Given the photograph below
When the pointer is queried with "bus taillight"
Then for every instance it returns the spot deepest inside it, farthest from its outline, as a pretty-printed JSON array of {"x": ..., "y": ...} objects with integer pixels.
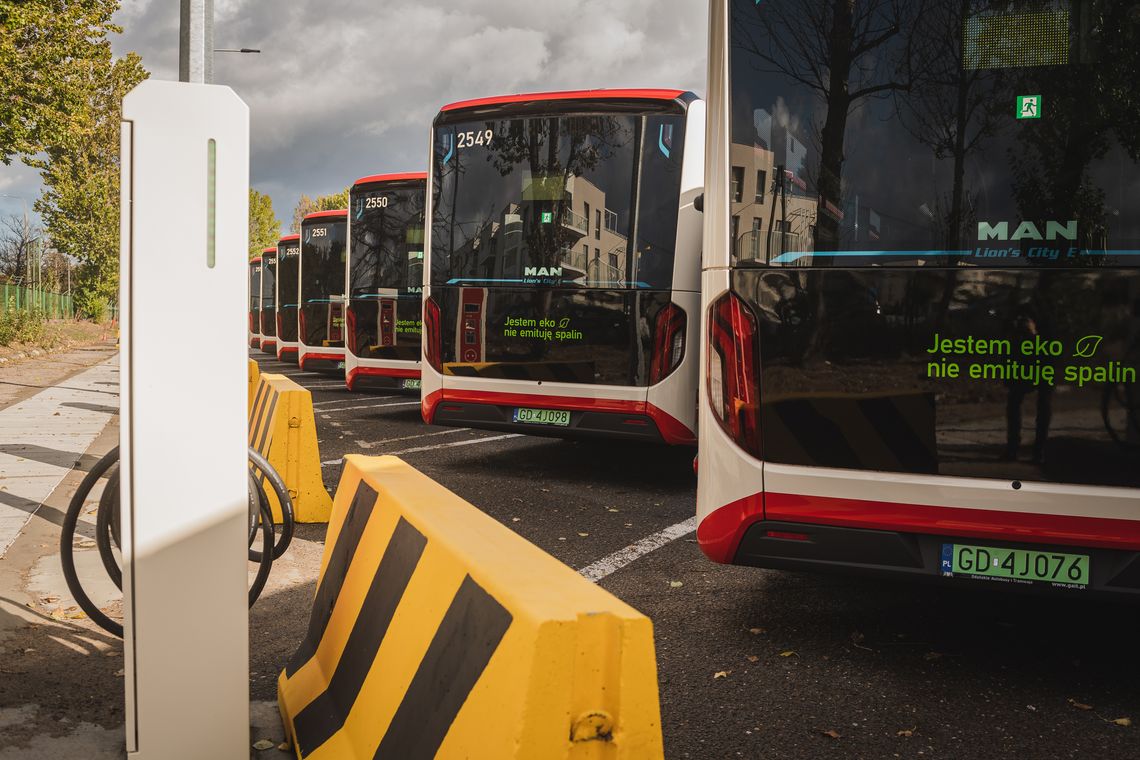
[
  {"x": 432, "y": 335},
  {"x": 668, "y": 342},
  {"x": 733, "y": 371}
]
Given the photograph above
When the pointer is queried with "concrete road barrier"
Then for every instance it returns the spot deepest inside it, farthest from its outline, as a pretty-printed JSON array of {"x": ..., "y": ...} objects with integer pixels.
[
  {"x": 438, "y": 632},
  {"x": 282, "y": 427},
  {"x": 254, "y": 380}
]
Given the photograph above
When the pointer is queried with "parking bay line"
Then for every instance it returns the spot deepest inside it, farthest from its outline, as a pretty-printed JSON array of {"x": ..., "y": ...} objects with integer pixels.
[
  {"x": 595, "y": 571},
  {"x": 374, "y": 444},
  {"x": 368, "y": 406},
  {"x": 348, "y": 400},
  {"x": 416, "y": 449}
]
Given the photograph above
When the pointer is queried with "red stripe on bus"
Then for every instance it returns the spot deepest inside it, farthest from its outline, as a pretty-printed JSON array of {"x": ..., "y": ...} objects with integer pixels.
[
  {"x": 287, "y": 238},
  {"x": 322, "y": 214},
  {"x": 379, "y": 372},
  {"x": 316, "y": 356},
  {"x": 1075, "y": 530},
  {"x": 569, "y": 95},
  {"x": 390, "y": 178},
  {"x": 720, "y": 532},
  {"x": 672, "y": 430}
]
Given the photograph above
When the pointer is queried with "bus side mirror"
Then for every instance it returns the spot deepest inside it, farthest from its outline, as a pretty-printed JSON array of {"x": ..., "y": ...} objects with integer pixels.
[{"x": 699, "y": 203}]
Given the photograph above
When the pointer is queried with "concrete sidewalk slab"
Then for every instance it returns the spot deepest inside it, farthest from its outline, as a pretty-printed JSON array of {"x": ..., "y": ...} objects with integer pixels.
[{"x": 43, "y": 437}]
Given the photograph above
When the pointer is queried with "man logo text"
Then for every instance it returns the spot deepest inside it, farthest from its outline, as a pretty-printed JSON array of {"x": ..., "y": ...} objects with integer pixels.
[{"x": 1027, "y": 231}]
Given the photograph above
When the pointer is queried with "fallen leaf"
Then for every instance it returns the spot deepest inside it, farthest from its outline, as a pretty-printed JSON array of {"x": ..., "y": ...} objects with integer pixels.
[
  {"x": 1079, "y": 705},
  {"x": 757, "y": 631},
  {"x": 514, "y": 519},
  {"x": 832, "y": 733},
  {"x": 721, "y": 674},
  {"x": 752, "y": 658},
  {"x": 1123, "y": 721},
  {"x": 906, "y": 731},
  {"x": 675, "y": 584},
  {"x": 545, "y": 490},
  {"x": 788, "y": 653},
  {"x": 583, "y": 535},
  {"x": 120, "y": 672},
  {"x": 284, "y": 746},
  {"x": 263, "y": 744},
  {"x": 562, "y": 538},
  {"x": 611, "y": 509}
]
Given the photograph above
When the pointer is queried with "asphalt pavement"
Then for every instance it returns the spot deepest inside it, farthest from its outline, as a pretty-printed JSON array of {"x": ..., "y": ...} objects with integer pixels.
[{"x": 759, "y": 663}]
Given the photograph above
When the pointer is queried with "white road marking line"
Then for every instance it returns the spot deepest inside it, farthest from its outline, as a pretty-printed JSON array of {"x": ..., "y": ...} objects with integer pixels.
[
  {"x": 473, "y": 441},
  {"x": 374, "y": 444},
  {"x": 368, "y": 406},
  {"x": 595, "y": 571},
  {"x": 354, "y": 400}
]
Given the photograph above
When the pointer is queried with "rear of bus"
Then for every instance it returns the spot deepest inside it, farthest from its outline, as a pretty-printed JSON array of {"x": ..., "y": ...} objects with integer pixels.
[
  {"x": 254, "y": 329},
  {"x": 288, "y": 296},
  {"x": 268, "y": 310},
  {"x": 921, "y": 295},
  {"x": 563, "y": 259},
  {"x": 385, "y": 282},
  {"x": 320, "y": 322}
]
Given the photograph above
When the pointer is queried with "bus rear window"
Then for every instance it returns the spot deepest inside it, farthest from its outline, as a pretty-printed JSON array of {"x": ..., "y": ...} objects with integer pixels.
[{"x": 967, "y": 133}]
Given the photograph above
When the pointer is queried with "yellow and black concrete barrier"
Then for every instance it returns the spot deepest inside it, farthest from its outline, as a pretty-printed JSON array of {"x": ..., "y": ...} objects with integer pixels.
[
  {"x": 254, "y": 372},
  {"x": 438, "y": 632},
  {"x": 283, "y": 428}
]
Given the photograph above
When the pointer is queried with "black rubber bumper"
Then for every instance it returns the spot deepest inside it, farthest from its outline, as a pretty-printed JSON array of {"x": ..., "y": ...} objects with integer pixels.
[
  {"x": 801, "y": 546},
  {"x": 631, "y": 427},
  {"x": 325, "y": 366}
]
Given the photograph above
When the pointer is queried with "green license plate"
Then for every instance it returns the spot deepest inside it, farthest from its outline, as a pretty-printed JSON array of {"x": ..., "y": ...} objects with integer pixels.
[
  {"x": 542, "y": 416},
  {"x": 1016, "y": 565},
  {"x": 411, "y": 384}
]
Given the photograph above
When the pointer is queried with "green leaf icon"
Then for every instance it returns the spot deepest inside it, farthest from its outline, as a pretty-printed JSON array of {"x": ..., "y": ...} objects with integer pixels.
[
  {"x": 564, "y": 323},
  {"x": 1088, "y": 345}
]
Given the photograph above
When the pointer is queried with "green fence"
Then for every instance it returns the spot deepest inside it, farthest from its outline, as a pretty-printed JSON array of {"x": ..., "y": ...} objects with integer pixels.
[{"x": 54, "y": 305}]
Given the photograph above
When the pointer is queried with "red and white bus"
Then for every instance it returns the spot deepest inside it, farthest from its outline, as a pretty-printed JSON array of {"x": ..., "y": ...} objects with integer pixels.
[
  {"x": 563, "y": 259},
  {"x": 267, "y": 311},
  {"x": 320, "y": 322},
  {"x": 288, "y": 296},
  {"x": 385, "y": 281},
  {"x": 254, "y": 331},
  {"x": 921, "y": 292}
]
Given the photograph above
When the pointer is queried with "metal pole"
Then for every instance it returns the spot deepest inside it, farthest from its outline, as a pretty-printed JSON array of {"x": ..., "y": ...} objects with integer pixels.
[{"x": 196, "y": 42}]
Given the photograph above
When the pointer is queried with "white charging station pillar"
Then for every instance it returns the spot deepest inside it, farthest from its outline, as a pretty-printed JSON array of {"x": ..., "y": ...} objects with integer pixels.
[{"x": 185, "y": 180}]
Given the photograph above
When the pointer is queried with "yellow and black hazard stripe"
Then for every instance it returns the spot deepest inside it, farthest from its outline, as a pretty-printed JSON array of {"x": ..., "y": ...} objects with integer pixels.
[
  {"x": 468, "y": 635},
  {"x": 431, "y": 620},
  {"x": 261, "y": 417}
]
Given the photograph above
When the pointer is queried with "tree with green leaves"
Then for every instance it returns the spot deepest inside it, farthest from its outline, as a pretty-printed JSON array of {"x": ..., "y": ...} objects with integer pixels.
[
  {"x": 307, "y": 205},
  {"x": 264, "y": 229},
  {"x": 46, "y": 51},
  {"x": 80, "y": 201}
]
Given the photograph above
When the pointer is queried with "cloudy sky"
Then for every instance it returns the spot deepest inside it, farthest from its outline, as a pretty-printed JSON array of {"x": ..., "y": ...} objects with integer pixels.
[{"x": 346, "y": 88}]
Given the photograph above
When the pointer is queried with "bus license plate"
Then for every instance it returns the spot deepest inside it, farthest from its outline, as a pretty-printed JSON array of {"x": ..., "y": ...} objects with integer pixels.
[
  {"x": 411, "y": 384},
  {"x": 1016, "y": 565},
  {"x": 542, "y": 416}
]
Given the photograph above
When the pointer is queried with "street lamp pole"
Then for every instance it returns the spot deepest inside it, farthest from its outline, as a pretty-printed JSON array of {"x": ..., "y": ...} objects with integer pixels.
[{"x": 196, "y": 42}]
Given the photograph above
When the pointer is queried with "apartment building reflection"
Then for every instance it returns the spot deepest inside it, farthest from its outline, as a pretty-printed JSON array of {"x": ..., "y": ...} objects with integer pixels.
[
  {"x": 772, "y": 211},
  {"x": 590, "y": 250}
]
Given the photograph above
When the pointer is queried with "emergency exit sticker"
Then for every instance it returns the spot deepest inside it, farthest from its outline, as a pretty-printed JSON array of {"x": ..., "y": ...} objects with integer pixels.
[
  {"x": 1029, "y": 106},
  {"x": 547, "y": 217}
]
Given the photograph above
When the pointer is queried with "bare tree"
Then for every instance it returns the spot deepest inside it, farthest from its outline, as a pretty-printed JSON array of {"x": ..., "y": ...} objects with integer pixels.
[
  {"x": 844, "y": 51},
  {"x": 17, "y": 241}
]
